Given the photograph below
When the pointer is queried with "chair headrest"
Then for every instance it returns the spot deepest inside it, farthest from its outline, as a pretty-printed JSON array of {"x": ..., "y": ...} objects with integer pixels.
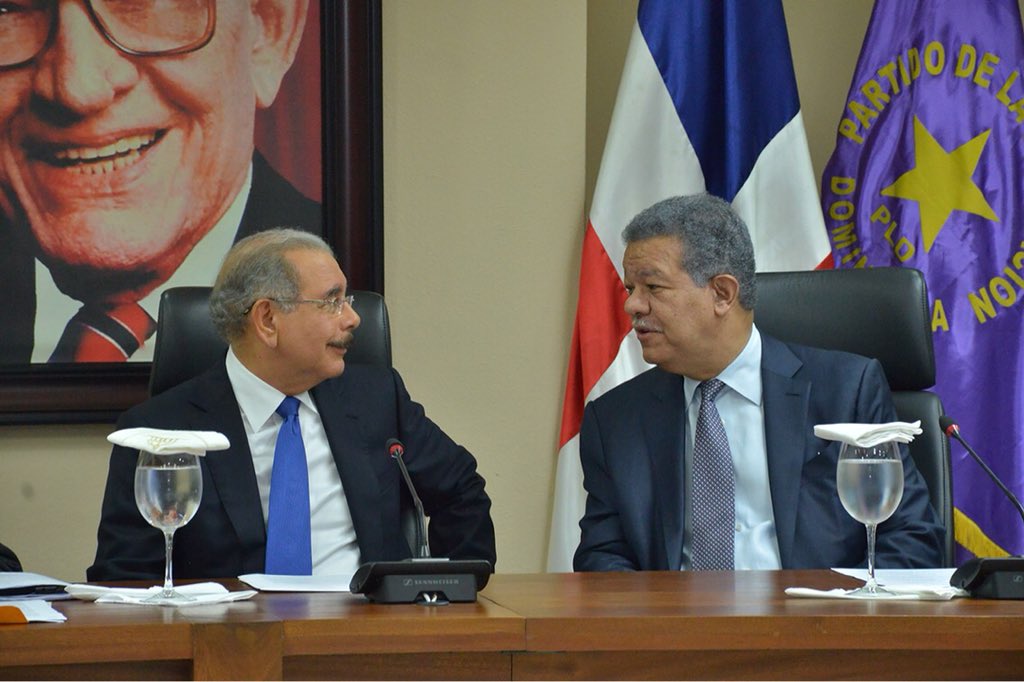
[
  {"x": 187, "y": 343},
  {"x": 880, "y": 313}
]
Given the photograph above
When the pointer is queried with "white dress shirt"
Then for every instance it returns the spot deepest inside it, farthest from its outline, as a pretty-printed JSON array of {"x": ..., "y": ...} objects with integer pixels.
[
  {"x": 198, "y": 269},
  {"x": 741, "y": 407},
  {"x": 333, "y": 537}
]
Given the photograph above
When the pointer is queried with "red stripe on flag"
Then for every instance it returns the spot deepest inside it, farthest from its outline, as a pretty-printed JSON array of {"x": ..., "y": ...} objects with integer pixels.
[{"x": 601, "y": 324}]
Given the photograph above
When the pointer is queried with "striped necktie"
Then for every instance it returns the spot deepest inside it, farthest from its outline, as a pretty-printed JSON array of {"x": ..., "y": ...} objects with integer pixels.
[
  {"x": 713, "y": 487},
  {"x": 104, "y": 334}
]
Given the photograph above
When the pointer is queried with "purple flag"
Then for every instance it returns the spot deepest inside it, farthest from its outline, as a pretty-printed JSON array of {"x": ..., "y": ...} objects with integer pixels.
[{"x": 928, "y": 173}]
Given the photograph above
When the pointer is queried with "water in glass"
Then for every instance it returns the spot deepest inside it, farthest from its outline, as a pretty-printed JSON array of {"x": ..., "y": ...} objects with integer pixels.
[
  {"x": 168, "y": 488},
  {"x": 870, "y": 485}
]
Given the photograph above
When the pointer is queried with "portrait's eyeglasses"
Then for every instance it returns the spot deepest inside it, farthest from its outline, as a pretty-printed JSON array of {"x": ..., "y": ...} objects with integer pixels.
[
  {"x": 334, "y": 306},
  {"x": 142, "y": 28}
]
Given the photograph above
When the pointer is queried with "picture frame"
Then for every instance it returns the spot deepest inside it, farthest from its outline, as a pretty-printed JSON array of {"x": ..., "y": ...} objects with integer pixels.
[{"x": 352, "y": 180}]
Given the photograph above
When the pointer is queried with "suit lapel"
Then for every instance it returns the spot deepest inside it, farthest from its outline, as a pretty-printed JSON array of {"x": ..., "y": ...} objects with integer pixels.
[
  {"x": 664, "y": 428},
  {"x": 786, "y": 428},
  {"x": 232, "y": 470},
  {"x": 353, "y": 457}
]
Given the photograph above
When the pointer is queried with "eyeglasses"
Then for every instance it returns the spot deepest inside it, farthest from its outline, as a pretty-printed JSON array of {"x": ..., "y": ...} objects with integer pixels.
[
  {"x": 334, "y": 306},
  {"x": 142, "y": 28}
]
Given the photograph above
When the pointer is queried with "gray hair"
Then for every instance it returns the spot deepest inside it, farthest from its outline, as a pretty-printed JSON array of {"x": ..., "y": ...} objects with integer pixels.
[
  {"x": 713, "y": 237},
  {"x": 256, "y": 268}
]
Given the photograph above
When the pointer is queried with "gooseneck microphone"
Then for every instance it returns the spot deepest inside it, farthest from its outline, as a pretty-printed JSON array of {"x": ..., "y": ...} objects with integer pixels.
[
  {"x": 422, "y": 579},
  {"x": 952, "y": 430},
  {"x": 397, "y": 450},
  {"x": 994, "y": 578}
]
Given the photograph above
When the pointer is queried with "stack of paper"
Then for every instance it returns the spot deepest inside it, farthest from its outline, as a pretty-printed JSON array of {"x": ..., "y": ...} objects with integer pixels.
[
  {"x": 16, "y": 585},
  {"x": 23, "y": 598}
]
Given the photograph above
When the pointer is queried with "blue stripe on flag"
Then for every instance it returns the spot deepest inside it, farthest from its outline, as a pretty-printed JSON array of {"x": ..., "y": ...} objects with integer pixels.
[{"x": 727, "y": 67}]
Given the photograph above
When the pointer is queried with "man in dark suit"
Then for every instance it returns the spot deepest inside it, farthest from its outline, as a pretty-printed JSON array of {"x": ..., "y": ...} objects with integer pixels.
[
  {"x": 126, "y": 143},
  {"x": 709, "y": 460},
  {"x": 280, "y": 302}
]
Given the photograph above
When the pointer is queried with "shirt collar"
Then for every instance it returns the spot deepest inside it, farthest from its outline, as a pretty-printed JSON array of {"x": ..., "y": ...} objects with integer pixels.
[
  {"x": 257, "y": 399},
  {"x": 742, "y": 375}
]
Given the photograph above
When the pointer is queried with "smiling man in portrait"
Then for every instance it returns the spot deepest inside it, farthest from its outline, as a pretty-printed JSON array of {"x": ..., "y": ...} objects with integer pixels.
[{"x": 127, "y": 161}]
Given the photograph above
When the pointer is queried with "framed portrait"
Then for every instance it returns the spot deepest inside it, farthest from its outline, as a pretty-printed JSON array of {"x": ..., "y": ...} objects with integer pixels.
[{"x": 216, "y": 168}]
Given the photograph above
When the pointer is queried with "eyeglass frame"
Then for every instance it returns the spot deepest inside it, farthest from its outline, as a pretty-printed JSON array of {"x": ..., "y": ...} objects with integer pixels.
[
  {"x": 104, "y": 31},
  {"x": 331, "y": 306}
]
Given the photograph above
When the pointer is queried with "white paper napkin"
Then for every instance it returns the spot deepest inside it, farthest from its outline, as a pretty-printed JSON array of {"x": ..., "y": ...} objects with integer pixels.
[
  {"x": 169, "y": 441},
  {"x": 200, "y": 594},
  {"x": 904, "y": 593},
  {"x": 868, "y": 435},
  {"x": 926, "y": 584}
]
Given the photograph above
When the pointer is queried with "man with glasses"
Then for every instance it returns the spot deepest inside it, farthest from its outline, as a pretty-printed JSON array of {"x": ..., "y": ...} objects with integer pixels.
[
  {"x": 127, "y": 161},
  {"x": 280, "y": 301}
]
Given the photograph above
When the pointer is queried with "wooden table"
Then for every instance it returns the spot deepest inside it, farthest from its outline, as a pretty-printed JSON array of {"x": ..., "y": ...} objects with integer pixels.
[
  {"x": 717, "y": 625},
  {"x": 272, "y": 636},
  {"x": 558, "y": 626}
]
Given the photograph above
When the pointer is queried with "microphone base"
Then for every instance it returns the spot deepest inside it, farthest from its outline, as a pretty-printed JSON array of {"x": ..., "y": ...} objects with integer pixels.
[
  {"x": 421, "y": 581},
  {"x": 991, "y": 578}
]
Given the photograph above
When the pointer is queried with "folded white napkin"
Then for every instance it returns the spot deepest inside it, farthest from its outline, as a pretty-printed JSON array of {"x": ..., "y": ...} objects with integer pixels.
[
  {"x": 901, "y": 592},
  {"x": 904, "y": 583},
  {"x": 169, "y": 441},
  {"x": 199, "y": 593},
  {"x": 868, "y": 435}
]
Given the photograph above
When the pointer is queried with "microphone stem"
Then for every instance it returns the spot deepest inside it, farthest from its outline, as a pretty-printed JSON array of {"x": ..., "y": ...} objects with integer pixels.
[
  {"x": 421, "y": 518},
  {"x": 991, "y": 474}
]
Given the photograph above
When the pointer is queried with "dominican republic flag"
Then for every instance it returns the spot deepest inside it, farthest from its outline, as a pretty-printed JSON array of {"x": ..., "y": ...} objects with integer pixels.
[
  {"x": 928, "y": 173},
  {"x": 707, "y": 102}
]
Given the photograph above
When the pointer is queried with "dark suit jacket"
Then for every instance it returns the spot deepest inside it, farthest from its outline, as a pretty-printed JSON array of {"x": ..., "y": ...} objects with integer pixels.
[
  {"x": 361, "y": 410},
  {"x": 273, "y": 202},
  {"x": 631, "y": 447}
]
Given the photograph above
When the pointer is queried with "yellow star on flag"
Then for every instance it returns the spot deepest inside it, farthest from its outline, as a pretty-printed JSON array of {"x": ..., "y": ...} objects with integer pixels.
[{"x": 941, "y": 182}]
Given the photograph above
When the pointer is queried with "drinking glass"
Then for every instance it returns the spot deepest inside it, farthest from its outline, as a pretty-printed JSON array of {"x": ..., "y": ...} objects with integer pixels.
[
  {"x": 870, "y": 483},
  {"x": 168, "y": 488}
]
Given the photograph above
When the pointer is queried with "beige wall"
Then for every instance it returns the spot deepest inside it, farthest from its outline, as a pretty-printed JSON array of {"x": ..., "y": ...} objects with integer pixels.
[
  {"x": 495, "y": 113},
  {"x": 484, "y": 119}
]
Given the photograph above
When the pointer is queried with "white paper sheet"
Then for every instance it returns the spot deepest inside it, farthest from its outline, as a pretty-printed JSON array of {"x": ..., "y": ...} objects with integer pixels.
[
  {"x": 36, "y": 611},
  {"x": 297, "y": 583}
]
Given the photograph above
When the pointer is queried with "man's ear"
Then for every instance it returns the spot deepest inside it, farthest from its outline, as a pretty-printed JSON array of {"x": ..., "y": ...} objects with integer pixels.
[
  {"x": 263, "y": 319},
  {"x": 279, "y": 26},
  {"x": 726, "y": 291}
]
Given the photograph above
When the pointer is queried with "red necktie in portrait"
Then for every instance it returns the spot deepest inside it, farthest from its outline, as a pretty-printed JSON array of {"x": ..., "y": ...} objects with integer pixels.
[{"x": 104, "y": 335}]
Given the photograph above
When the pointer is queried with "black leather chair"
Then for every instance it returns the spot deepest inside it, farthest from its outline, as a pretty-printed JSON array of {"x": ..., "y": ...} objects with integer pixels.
[
  {"x": 879, "y": 313},
  {"x": 187, "y": 344}
]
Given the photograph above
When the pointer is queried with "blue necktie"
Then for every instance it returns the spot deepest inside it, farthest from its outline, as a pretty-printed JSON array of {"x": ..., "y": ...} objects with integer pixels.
[
  {"x": 713, "y": 488},
  {"x": 288, "y": 543}
]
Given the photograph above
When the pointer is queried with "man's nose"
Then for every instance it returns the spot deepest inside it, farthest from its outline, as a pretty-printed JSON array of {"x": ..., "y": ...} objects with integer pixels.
[
  {"x": 636, "y": 303},
  {"x": 80, "y": 70},
  {"x": 350, "y": 319}
]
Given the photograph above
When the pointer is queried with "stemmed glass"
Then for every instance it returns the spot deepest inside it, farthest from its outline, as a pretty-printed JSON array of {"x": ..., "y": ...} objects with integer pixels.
[
  {"x": 168, "y": 488},
  {"x": 870, "y": 483}
]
